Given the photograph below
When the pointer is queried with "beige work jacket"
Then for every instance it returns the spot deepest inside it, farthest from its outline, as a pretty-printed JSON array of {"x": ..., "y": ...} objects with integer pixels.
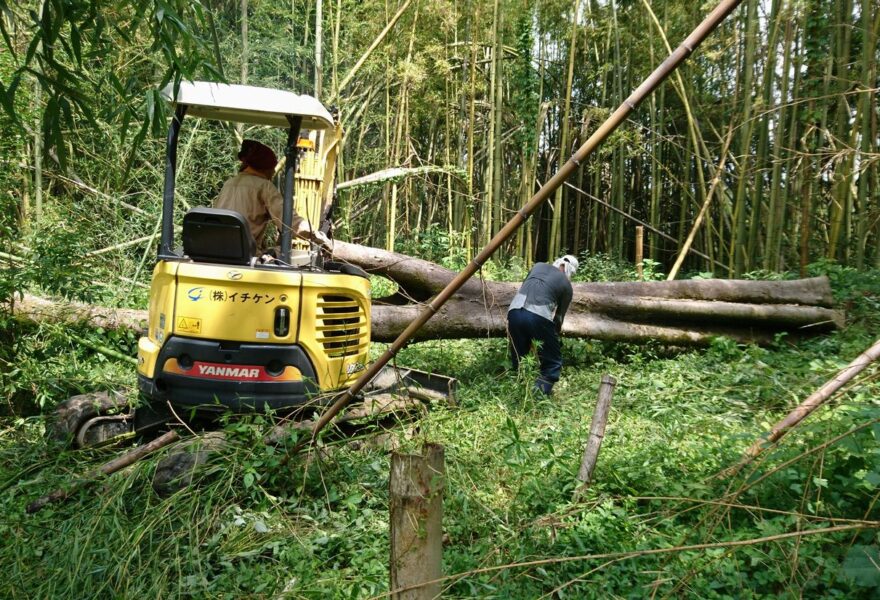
[{"x": 258, "y": 201}]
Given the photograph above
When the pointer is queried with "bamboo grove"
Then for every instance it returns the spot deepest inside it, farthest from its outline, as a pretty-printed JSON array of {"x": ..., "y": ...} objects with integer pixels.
[{"x": 762, "y": 149}]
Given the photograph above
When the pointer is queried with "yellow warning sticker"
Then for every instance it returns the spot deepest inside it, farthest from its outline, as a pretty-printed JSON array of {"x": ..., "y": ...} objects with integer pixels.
[{"x": 189, "y": 325}]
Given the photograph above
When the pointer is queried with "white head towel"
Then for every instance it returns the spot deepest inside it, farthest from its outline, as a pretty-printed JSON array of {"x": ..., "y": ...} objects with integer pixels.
[{"x": 569, "y": 264}]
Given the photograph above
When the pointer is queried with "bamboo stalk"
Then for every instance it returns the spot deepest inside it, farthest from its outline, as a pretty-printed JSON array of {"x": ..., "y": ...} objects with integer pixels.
[
  {"x": 12, "y": 258},
  {"x": 106, "y": 469},
  {"x": 715, "y": 181},
  {"x": 806, "y": 408},
  {"x": 357, "y": 66},
  {"x": 597, "y": 433},
  {"x": 640, "y": 251},
  {"x": 110, "y": 352},
  {"x": 650, "y": 228},
  {"x": 715, "y": 18},
  {"x": 695, "y": 137},
  {"x": 557, "y": 227}
]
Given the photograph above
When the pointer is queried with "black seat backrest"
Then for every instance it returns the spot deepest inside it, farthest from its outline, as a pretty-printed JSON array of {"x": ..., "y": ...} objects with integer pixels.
[{"x": 218, "y": 235}]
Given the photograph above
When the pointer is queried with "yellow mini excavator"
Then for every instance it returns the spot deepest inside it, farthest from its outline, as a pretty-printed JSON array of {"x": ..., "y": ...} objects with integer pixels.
[{"x": 227, "y": 331}]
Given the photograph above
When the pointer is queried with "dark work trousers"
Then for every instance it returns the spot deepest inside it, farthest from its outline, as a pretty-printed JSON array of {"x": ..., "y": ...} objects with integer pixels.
[{"x": 524, "y": 328}]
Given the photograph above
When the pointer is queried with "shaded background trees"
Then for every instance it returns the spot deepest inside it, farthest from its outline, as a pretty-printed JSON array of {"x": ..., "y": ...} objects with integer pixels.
[{"x": 771, "y": 130}]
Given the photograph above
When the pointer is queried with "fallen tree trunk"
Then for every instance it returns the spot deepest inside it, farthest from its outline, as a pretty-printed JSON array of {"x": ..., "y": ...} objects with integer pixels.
[
  {"x": 40, "y": 310},
  {"x": 472, "y": 319},
  {"x": 674, "y": 312},
  {"x": 421, "y": 279},
  {"x": 460, "y": 318}
]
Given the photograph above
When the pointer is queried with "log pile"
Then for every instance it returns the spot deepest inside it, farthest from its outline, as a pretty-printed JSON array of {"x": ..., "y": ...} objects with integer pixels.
[{"x": 689, "y": 312}]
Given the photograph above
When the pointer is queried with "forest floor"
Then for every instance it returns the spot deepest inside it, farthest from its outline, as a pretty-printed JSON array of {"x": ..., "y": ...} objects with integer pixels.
[{"x": 317, "y": 527}]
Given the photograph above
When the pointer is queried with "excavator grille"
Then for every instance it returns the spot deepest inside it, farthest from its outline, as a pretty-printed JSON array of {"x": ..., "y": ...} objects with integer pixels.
[{"x": 341, "y": 325}]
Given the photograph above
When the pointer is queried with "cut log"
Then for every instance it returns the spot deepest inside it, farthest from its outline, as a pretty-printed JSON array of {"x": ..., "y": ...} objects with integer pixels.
[
  {"x": 422, "y": 278},
  {"x": 473, "y": 319},
  {"x": 43, "y": 310},
  {"x": 672, "y": 312}
]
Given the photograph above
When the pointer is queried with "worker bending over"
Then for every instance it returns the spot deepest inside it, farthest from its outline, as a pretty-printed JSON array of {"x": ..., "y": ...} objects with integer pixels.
[
  {"x": 251, "y": 194},
  {"x": 536, "y": 315}
]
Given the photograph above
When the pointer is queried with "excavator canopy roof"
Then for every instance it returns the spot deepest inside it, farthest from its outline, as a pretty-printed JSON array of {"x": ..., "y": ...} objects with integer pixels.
[{"x": 248, "y": 104}]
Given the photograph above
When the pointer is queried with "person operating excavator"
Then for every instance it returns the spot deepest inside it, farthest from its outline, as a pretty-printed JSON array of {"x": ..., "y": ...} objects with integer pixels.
[{"x": 251, "y": 194}]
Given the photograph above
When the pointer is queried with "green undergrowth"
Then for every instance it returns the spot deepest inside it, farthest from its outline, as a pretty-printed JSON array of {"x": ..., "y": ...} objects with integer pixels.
[{"x": 257, "y": 525}]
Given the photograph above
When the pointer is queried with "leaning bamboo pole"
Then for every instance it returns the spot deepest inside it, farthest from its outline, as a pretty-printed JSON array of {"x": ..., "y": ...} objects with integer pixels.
[
  {"x": 354, "y": 70},
  {"x": 808, "y": 406},
  {"x": 715, "y": 18},
  {"x": 719, "y": 172}
]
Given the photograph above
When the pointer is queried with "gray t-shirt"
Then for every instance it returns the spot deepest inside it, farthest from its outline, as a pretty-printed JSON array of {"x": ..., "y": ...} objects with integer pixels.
[{"x": 546, "y": 292}]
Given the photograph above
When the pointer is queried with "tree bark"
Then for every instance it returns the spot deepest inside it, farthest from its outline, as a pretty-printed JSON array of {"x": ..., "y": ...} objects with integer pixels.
[
  {"x": 597, "y": 433},
  {"x": 688, "y": 312},
  {"x": 422, "y": 278},
  {"x": 416, "y": 496}
]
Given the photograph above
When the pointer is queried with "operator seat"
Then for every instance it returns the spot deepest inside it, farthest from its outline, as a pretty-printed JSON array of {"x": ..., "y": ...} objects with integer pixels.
[{"x": 218, "y": 235}]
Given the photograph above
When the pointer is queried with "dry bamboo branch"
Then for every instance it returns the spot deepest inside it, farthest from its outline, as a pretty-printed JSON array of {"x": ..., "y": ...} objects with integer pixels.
[
  {"x": 114, "y": 465},
  {"x": 120, "y": 246},
  {"x": 814, "y": 401},
  {"x": 395, "y": 173},
  {"x": 650, "y": 552},
  {"x": 597, "y": 433}
]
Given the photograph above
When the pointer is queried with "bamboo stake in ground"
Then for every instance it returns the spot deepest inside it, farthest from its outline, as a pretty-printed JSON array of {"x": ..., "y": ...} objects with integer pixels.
[
  {"x": 640, "y": 250},
  {"x": 597, "y": 433},
  {"x": 805, "y": 408},
  {"x": 106, "y": 469},
  {"x": 416, "y": 498}
]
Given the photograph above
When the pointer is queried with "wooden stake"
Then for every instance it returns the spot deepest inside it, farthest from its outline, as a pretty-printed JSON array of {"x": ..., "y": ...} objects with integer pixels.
[
  {"x": 106, "y": 469},
  {"x": 416, "y": 497},
  {"x": 597, "y": 433},
  {"x": 640, "y": 250}
]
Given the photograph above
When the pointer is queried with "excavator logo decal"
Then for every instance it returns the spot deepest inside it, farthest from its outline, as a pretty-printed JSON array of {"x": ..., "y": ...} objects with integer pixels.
[{"x": 195, "y": 294}]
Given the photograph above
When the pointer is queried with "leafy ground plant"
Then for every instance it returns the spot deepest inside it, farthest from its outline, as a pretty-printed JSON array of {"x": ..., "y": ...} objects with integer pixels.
[{"x": 658, "y": 520}]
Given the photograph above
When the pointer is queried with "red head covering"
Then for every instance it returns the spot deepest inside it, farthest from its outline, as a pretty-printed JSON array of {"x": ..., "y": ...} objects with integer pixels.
[{"x": 258, "y": 156}]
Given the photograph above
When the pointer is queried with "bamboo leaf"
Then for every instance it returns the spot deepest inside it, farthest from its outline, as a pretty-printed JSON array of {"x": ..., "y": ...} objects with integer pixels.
[
  {"x": 6, "y": 15},
  {"x": 32, "y": 48},
  {"x": 76, "y": 43},
  {"x": 861, "y": 565}
]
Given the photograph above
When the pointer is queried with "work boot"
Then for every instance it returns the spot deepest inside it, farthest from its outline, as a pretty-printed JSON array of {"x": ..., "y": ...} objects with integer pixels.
[{"x": 543, "y": 386}]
